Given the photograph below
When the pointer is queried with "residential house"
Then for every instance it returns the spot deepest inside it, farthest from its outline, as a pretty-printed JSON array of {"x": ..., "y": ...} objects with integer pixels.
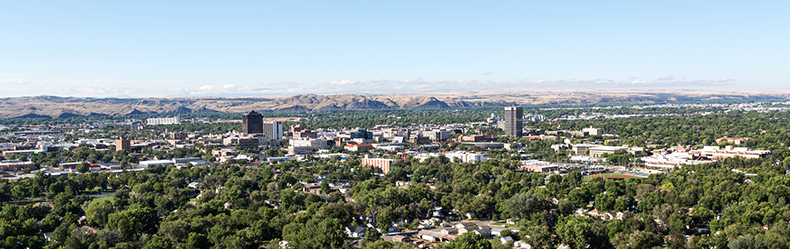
[
  {"x": 465, "y": 227},
  {"x": 435, "y": 236},
  {"x": 521, "y": 244},
  {"x": 449, "y": 230},
  {"x": 401, "y": 238},
  {"x": 486, "y": 232},
  {"x": 314, "y": 188},
  {"x": 356, "y": 231}
]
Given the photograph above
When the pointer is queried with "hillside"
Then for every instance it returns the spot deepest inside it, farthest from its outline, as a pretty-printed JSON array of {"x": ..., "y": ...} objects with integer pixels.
[{"x": 64, "y": 107}]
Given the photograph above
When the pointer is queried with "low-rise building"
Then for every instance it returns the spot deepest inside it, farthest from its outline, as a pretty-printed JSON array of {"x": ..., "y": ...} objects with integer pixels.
[
  {"x": 160, "y": 121},
  {"x": 380, "y": 163},
  {"x": 435, "y": 236},
  {"x": 437, "y": 134},
  {"x": 485, "y": 145},
  {"x": 314, "y": 143},
  {"x": 581, "y": 149},
  {"x": 389, "y": 146},
  {"x": 241, "y": 142},
  {"x": 558, "y": 147},
  {"x": 465, "y": 227},
  {"x": 224, "y": 153},
  {"x": 305, "y": 134},
  {"x": 15, "y": 165},
  {"x": 300, "y": 150},
  {"x": 466, "y": 157},
  {"x": 178, "y": 135},
  {"x": 538, "y": 166},
  {"x": 673, "y": 160},
  {"x": 401, "y": 238},
  {"x": 578, "y": 133},
  {"x": 737, "y": 141},
  {"x": 157, "y": 163},
  {"x": 358, "y": 147},
  {"x": 593, "y": 131},
  {"x": 598, "y": 151},
  {"x": 314, "y": 188},
  {"x": 479, "y": 138},
  {"x": 715, "y": 152},
  {"x": 485, "y": 232}
]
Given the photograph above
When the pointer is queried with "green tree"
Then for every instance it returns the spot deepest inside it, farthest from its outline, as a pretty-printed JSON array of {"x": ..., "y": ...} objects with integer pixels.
[
  {"x": 158, "y": 243},
  {"x": 379, "y": 244},
  {"x": 65, "y": 203},
  {"x": 49, "y": 223},
  {"x": 325, "y": 188},
  {"x": 121, "y": 198},
  {"x": 747, "y": 242},
  {"x": 5, "y": 192},
  {"x": 522, "y": 205},
  {"x": 371, "y": 235},
  {"x": 384, "y": 218},
  {"x": 97, "y": 212},
  {"x": 327, "y": 233},
  {"x": 581, "y": 231},
  {"x": 197, "y": 241},
  {"x": 175, "y": 230},
  {"x": 83, "y": 167},
  {"x": 470, "y": 241},
  {"x": 637, "y": 240},
  {"x": 134, "y": 221}
]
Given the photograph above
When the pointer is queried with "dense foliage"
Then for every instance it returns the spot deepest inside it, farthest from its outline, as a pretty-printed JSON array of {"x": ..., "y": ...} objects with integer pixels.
[{"x": 236, "y": 205}]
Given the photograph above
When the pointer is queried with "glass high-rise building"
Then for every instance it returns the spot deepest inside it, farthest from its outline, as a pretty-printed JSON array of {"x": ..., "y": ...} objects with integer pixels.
[
  {"x": 252, "y": 123},
  {"x": 513, "y": 124}
]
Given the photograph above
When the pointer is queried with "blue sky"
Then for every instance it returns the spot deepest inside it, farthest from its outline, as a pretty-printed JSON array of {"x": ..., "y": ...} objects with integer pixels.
[{"x": 251, "y": 48}]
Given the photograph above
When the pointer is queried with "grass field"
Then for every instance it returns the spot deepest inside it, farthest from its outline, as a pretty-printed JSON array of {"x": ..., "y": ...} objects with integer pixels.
[
  {"x": 609, "y": 176},
  {"x": 502, "y": 224},
  {"x": 109, "y": 198}
]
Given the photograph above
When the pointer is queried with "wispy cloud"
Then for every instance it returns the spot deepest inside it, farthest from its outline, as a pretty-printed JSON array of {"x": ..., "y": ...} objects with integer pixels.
[
  {"x": 101, "y": 92},
  {"x": 14, "y": 82},
  {"x": 229, "y": 90},
  {"x": 85, "y": 88},
  {"x": 181, "y": 88},
  {"x": 420, "y": 85}
]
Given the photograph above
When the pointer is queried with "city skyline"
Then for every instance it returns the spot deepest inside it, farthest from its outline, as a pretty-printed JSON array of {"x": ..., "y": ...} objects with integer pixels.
[{"x": 152, "y": 49}]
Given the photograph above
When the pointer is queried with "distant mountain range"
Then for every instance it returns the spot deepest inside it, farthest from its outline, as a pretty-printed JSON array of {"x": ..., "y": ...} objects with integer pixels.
[{"x": 65, "y": 107}]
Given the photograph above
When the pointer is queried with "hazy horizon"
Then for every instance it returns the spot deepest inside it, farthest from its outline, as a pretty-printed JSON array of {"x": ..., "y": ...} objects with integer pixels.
[{"x": 198, "y": 49}]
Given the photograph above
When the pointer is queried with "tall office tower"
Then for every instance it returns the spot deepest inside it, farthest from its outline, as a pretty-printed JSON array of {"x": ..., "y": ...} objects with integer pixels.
[
  {"x": 273, "y": 129},
  {"x": 252, "y": 123},
  {"x": 122, "y": 144},
  {"x": 513, "y": 124}
]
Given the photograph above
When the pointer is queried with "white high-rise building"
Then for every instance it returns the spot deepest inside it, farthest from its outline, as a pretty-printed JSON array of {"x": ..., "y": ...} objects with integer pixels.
[{"x": 273, "y": 129}]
